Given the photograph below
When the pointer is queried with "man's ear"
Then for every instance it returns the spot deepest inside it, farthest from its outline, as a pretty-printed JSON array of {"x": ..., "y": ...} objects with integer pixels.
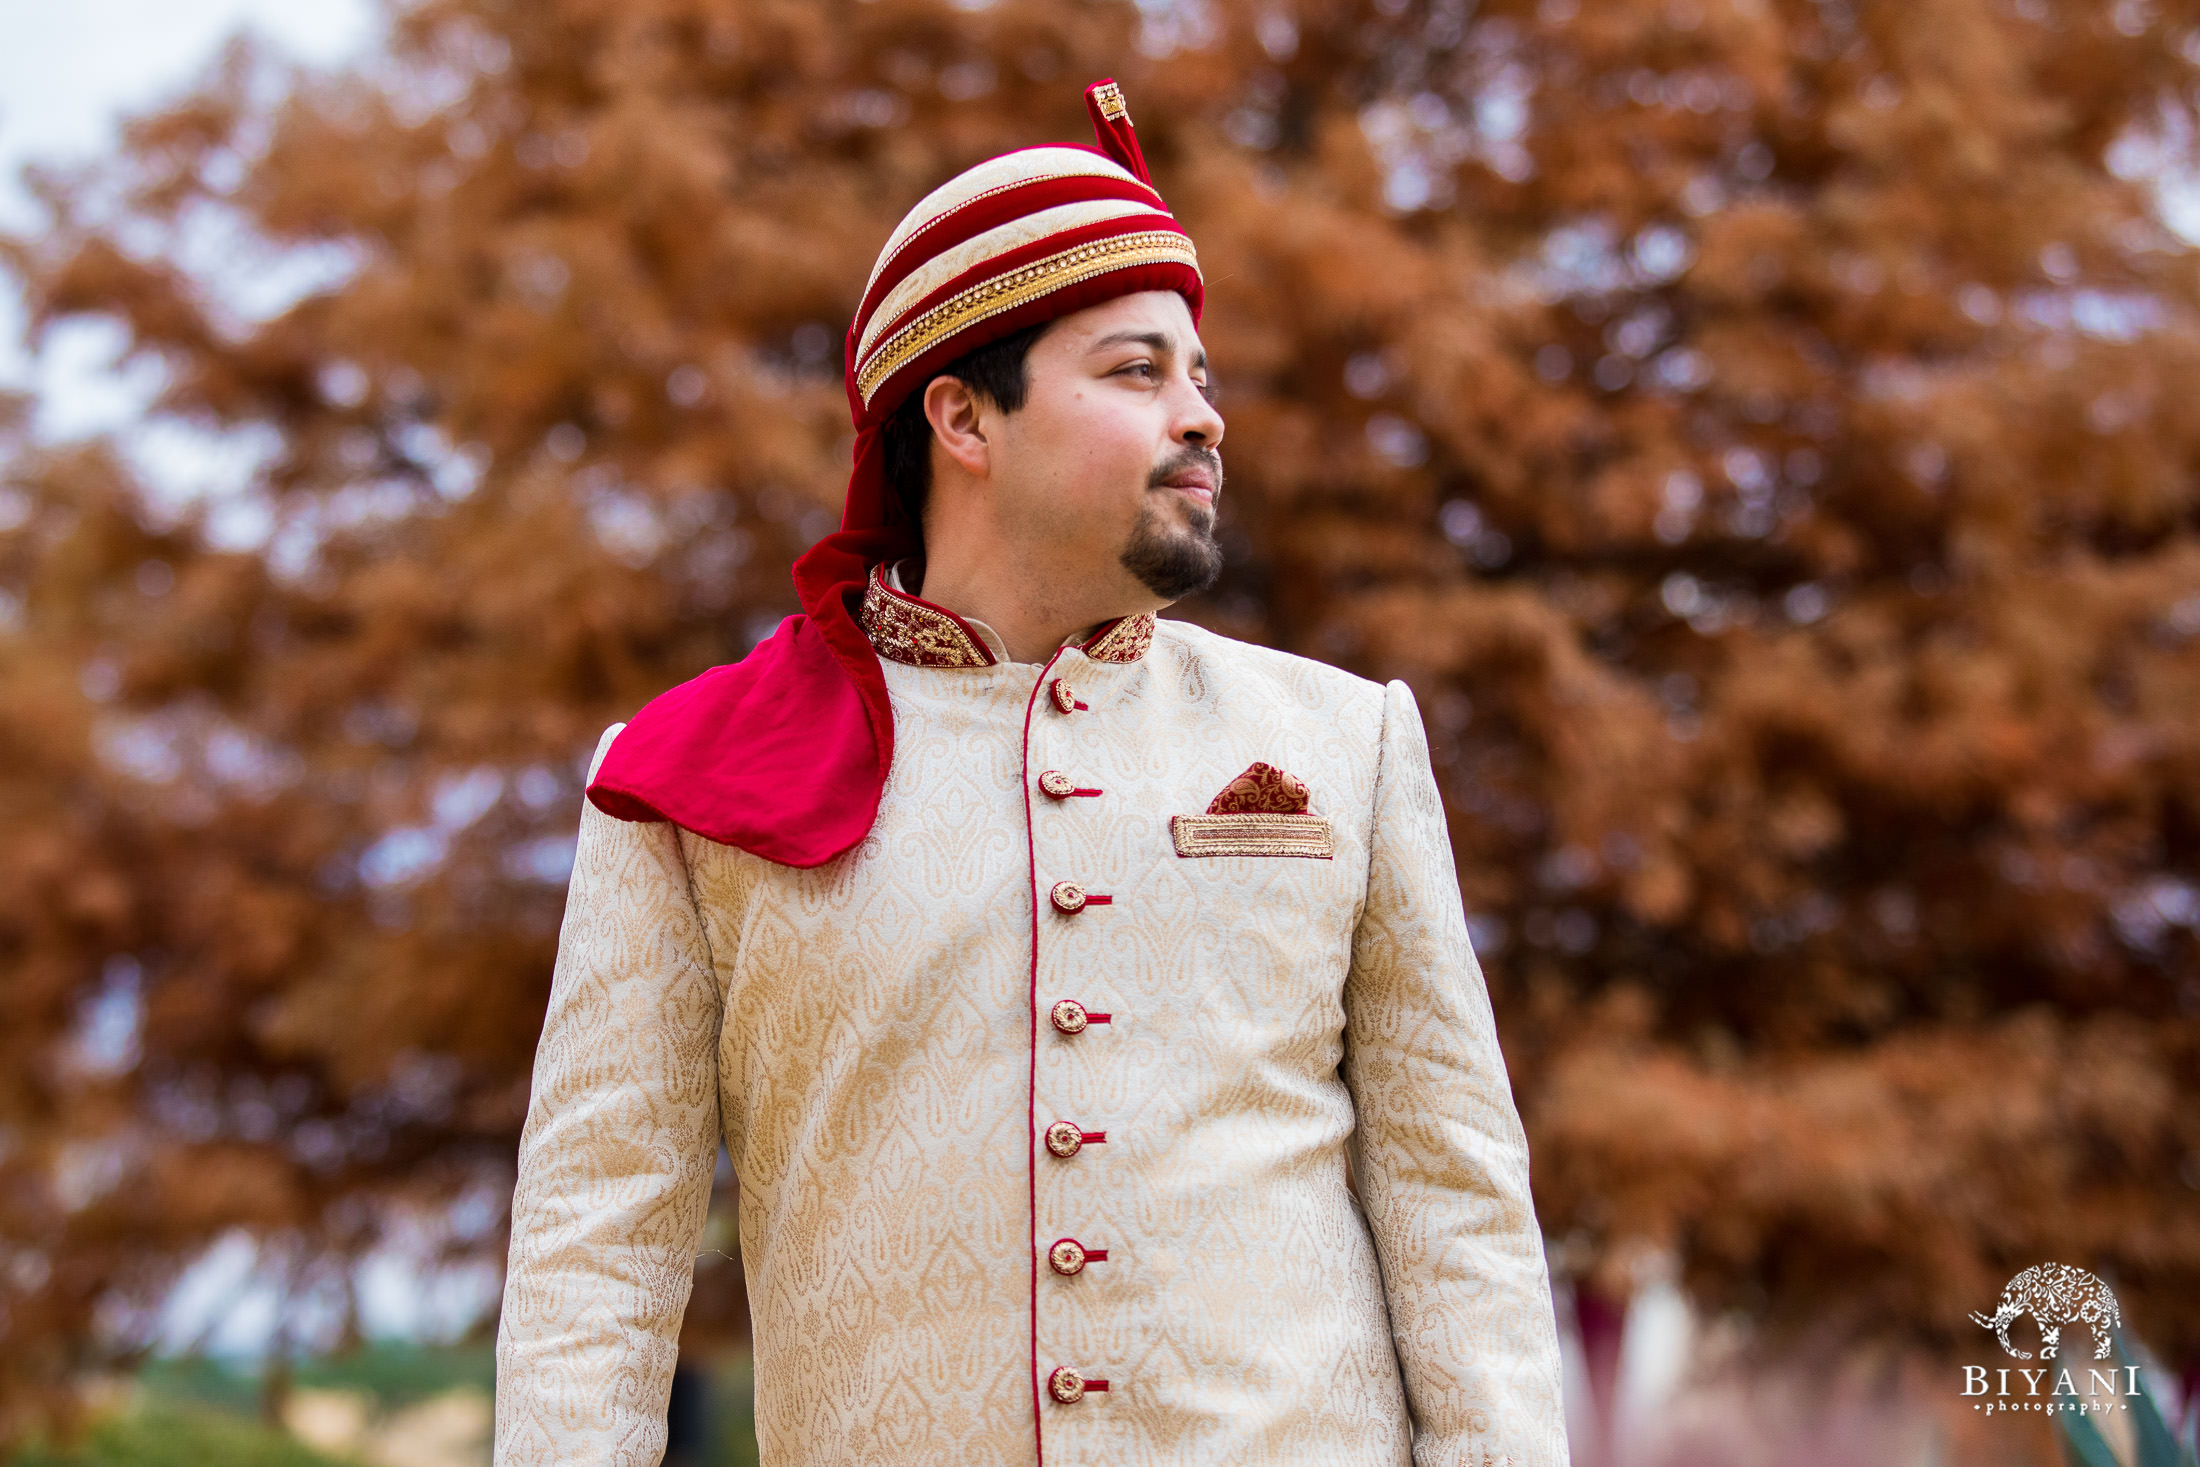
[{"x": 953, "y": 411}]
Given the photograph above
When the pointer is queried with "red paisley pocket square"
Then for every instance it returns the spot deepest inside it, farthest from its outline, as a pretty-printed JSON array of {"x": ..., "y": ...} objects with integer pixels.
[
  {"x": 1260, "y": 813},
  {"x": 1262, "y": 789}
]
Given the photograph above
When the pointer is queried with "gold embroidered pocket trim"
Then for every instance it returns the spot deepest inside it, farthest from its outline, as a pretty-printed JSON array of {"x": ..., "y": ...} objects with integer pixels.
[{"x": 1255, "y": 834}]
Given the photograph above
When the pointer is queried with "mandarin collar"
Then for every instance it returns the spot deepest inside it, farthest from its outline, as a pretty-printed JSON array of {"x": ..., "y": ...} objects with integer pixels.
[{"x": 911, "y": 630}]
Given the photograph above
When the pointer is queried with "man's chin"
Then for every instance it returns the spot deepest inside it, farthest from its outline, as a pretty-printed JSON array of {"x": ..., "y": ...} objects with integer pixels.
[
  {"x": 1191, "y": 514},
  {"x": 1174, "y": 560}
]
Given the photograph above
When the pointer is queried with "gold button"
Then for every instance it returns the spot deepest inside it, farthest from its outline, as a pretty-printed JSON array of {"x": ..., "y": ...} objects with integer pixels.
[
  {"x": 1067, "y": 1257},
  {"x": 1054, "y": 782},
  {"x": 1069, "y": 1016},
  {"x": 1067, "y": 896},
  {"x": 1063, "y": 1139},
  {"x": 1066, "y": 1385},
  {"x": 1065, "y": 696}
]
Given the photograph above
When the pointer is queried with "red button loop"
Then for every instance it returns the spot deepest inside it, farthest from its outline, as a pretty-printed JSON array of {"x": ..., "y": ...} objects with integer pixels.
[
  {"x": 1069, "y": 1387},
  {"x": 1070, "y": 898},
  {"x": 1065, "y": 1140},
  {"x": 1068, "y": 1256},
  {"x": 1071, "y": 1017}
]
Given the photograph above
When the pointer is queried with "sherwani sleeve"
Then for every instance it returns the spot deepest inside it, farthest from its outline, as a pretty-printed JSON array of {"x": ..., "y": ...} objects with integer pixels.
[
  {"x": 615, "y": 1160},
  {"x": 1441, "y": 1159}
]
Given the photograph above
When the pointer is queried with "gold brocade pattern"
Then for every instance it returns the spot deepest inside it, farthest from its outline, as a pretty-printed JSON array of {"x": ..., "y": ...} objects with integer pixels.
[
  {"x": 861, "y": 1037},
  {"x": 1008, "y": 291},
  {"x": 1264, "y": 834},
  {"x": 906, "y": 630},
  {"x": 1124, "y": 641}
]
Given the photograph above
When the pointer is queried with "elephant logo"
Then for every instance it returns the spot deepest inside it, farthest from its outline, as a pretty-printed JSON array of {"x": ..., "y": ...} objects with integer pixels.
[{"x": 2054, "y": 1294}]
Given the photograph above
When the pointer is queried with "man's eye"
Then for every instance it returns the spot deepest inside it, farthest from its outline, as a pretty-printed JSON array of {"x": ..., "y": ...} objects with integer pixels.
[{"x": 1145, "y": 367}]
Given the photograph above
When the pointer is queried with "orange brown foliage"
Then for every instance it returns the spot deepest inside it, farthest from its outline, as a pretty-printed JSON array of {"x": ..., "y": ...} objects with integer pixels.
[{"x": 1765, "y": 434}]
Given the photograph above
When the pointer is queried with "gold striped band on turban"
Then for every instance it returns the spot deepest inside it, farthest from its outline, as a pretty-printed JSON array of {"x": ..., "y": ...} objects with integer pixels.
[{"x": 1020, "y": 238}]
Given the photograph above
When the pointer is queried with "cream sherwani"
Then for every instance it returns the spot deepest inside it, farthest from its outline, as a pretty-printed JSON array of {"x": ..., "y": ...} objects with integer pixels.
[{"x": 1281, "y": 1145}]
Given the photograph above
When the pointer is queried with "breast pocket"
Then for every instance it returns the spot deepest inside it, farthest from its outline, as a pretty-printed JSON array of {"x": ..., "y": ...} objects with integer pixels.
[
  {"x": 1272, "y": 901},
  {"x": 1262, "y": 833}
]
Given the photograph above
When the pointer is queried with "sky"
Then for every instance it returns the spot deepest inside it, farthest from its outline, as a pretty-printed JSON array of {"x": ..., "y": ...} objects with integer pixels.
[{"x": 68, "y": 70}]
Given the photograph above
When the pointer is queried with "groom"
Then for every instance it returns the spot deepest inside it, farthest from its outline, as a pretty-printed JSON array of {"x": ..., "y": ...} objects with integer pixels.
[{"x": 1084, "y": 998}]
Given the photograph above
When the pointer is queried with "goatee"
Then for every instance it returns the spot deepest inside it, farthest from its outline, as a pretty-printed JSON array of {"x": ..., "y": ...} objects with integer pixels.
[{"x": 1174, "y": 561}]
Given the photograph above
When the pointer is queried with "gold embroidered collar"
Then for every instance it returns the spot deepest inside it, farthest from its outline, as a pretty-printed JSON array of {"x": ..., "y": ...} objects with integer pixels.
[{"x": 911, "y": 630}]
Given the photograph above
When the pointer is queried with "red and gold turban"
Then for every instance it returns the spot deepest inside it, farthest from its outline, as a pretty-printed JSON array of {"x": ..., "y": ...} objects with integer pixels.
[{"x": 785, "y": 752}]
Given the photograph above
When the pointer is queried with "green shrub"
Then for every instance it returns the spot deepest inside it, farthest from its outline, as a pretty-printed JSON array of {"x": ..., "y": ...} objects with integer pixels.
[{"x": 176, "y": 1436}]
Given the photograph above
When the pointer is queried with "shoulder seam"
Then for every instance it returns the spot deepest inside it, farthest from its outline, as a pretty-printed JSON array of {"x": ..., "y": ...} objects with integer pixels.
[{"x": 1261, "y": 650}]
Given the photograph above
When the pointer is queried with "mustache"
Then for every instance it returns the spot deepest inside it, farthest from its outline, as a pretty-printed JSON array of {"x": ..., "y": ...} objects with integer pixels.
[{"x": 1188, "y": 458}]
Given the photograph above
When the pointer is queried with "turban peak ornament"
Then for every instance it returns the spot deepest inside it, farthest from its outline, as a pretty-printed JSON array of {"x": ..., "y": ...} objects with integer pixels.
[{"x": 1111, "y": 124}]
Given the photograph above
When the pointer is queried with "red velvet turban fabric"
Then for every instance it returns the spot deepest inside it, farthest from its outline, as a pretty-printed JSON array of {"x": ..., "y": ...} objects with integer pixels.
[{"x": 784, "y": 753}]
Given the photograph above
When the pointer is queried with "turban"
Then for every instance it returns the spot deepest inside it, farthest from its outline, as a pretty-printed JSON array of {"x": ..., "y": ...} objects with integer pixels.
[{"x": 785, "y": 752}]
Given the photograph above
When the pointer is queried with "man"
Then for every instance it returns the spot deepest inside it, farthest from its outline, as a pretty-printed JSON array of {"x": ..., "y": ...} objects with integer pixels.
[{"x": 1084, "y": 998}]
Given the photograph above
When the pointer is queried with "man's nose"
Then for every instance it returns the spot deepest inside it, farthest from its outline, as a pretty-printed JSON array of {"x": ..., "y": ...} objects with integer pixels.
[{"x": 1199, "y": 425}]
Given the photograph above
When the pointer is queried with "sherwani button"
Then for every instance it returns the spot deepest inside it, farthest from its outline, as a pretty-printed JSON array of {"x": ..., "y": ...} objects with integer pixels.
[
  {"x": 1065, "y": 1140},
  {"x": 1068, "y": 1256},
  {"x": 1067, "y": 897},
  {"x": 1065, "y": 696},
  {"x": 1069, "y": 1387},
  {"x": 1055, "y": 783},
  {"x": 1070, "y": 1017}
]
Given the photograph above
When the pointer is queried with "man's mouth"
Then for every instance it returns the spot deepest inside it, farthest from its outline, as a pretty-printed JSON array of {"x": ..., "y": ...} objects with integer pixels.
[
  {"x": 1196, "y": 484},
  {"x": 1193, "y": 484}
]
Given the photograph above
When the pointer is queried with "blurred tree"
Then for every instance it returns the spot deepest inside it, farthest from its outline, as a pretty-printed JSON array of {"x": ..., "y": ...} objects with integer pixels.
[{"x": 1763, "y": 431}]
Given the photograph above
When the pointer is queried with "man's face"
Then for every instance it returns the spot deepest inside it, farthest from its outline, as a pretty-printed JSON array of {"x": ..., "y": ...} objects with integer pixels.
[{"x": 1112, "y": 461}]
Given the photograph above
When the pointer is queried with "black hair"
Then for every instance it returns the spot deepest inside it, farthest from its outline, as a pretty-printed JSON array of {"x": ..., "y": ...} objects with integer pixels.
[{"x": 995, "y": 372}]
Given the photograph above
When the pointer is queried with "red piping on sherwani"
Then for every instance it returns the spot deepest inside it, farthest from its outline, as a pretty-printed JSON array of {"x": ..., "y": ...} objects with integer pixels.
[{"x": 1031, "y": 1100}]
